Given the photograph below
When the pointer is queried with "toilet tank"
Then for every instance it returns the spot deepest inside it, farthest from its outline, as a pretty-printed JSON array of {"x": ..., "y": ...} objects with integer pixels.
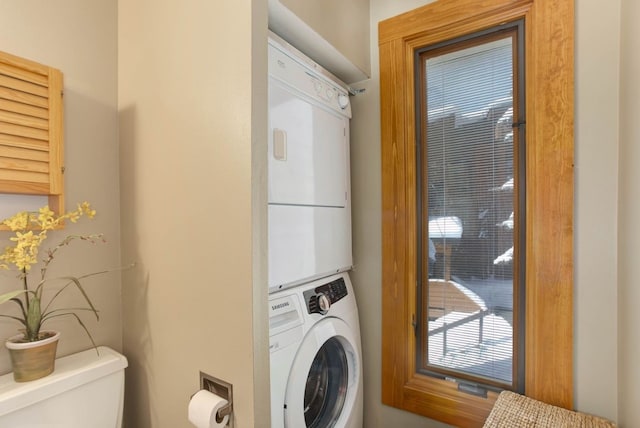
[{"x": 85, "y": 390}]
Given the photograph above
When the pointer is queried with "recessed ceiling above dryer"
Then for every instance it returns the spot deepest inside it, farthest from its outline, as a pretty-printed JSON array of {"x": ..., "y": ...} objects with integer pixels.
[{"x": 303, "y": 37}]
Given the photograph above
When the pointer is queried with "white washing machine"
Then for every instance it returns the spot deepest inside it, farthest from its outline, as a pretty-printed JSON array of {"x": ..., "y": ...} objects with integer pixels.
[{"x": 316, "y": 357}]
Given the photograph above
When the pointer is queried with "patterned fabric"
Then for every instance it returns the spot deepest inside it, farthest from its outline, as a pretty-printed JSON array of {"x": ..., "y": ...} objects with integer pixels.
[{"x": 517, "y": 411}]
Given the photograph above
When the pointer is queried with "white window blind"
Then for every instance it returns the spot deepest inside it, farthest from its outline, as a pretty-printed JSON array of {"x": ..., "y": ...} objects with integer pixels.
[{"x": 468, "y": 197}]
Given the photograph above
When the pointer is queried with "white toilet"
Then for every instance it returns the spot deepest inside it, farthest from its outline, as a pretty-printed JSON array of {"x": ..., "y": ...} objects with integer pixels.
[{"x": 85, "y": 390}]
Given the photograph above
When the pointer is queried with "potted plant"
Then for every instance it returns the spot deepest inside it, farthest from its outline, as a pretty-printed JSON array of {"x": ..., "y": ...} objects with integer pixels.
[{"x": 33, "y": 350}]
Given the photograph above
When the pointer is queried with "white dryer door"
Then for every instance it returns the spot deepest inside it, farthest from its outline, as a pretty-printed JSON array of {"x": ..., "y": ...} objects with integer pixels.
[
  {"x": 308, "y": 150},
  {"x": 323, "y": 383}
]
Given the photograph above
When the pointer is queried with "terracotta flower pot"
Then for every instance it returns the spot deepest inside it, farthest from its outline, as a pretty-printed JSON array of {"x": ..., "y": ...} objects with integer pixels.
[{"x": 33, "y": 360}]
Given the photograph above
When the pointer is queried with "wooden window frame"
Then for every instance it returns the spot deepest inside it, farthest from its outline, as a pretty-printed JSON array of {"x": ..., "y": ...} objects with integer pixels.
[
  {"x": 31, "y": 130},
  {"x": 549, "y": 88}
]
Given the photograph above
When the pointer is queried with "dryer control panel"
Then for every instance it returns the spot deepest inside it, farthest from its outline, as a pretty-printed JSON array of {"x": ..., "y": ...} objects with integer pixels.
[{"x": 320, "y": 299}]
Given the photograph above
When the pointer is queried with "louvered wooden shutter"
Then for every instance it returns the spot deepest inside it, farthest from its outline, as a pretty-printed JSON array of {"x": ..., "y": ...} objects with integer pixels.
[{"x": 31, "y": 129}]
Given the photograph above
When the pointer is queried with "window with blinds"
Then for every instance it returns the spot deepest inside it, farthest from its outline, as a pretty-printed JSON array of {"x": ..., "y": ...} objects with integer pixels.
[
  {"x": 31, "y": 129},
  {"x": 471, "y": 208}
]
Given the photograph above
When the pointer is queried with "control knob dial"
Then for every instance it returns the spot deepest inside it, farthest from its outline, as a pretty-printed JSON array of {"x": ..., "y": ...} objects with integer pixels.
[
  {"x": 324, "y": 303},
  {"x": 343, "y": 101}
]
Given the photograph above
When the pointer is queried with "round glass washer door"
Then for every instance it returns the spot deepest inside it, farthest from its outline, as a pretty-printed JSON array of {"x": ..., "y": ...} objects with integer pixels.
[
  {"x": 326, "y": 386},
  {"x": 324, "y": 377}
]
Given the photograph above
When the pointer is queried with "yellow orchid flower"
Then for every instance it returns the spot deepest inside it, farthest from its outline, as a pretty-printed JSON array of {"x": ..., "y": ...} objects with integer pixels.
[{"x": 29, "y": 231}]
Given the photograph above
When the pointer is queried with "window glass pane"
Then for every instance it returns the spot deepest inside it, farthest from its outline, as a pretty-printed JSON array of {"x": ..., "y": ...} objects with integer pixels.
[{"x": 468, "y": 156}]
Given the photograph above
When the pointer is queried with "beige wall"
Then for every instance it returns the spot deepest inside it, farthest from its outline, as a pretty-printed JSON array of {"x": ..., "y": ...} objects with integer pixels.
[
  {"x": 80, "y": 39},
  {"x": 596, "y": 187},
  {"x": 596, "y": 344},
  {"x": 629, "y": 232},
  {"x": 192, "y": 80},
  {"x": 344, "y": 24}
]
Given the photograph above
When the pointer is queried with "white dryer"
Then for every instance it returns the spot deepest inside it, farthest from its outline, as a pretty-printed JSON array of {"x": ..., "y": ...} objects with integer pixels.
[
  {"x": 316, "y": 361},
  {"x": 309, "y": 195}
]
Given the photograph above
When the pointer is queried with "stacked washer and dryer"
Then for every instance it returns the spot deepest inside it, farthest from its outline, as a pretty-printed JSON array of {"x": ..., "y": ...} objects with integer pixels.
[{"x": 316, "y": 361}]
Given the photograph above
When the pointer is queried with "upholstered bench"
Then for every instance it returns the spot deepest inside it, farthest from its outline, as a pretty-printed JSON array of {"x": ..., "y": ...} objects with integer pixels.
[{"x": 517, "y": 411}]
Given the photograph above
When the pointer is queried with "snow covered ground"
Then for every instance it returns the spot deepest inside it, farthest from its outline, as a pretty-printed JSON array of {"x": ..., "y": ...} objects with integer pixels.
[
  {"x": 496, "y": 293},
  {"x": 488, "y": 352},
  {"x": 489, "y": 357}
]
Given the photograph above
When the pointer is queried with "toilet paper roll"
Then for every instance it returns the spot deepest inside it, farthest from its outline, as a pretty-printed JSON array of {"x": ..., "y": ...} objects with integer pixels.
[{"x": 203, "y": 407}]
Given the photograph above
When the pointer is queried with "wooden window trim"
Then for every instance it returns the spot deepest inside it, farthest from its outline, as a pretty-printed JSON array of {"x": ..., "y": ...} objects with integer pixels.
[
  {"x": 549, "y": 44},
  {"x": 31, "y": 130}
]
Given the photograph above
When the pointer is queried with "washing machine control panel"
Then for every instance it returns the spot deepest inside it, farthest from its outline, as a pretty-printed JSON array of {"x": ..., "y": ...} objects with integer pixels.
[{"x": 320, "y": 299}]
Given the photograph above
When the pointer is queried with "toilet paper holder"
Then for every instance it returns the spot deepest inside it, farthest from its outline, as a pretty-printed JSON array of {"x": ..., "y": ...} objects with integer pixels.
[
  {"x": 225, "y": 410},
  {"x": 222, "y": 389}
]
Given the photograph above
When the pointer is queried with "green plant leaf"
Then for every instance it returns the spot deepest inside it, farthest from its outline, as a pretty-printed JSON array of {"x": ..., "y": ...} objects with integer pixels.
[
  {"x": 34, "y": 319},
  {"x": 54, "y": 312},
  {"x": 81, "y": 324},
  {"x": 11, "y": 295},
  {"x": 21, "y": 320},
  {"x": 72, "y": 281},
  {"x": 21, "y": 305}
]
